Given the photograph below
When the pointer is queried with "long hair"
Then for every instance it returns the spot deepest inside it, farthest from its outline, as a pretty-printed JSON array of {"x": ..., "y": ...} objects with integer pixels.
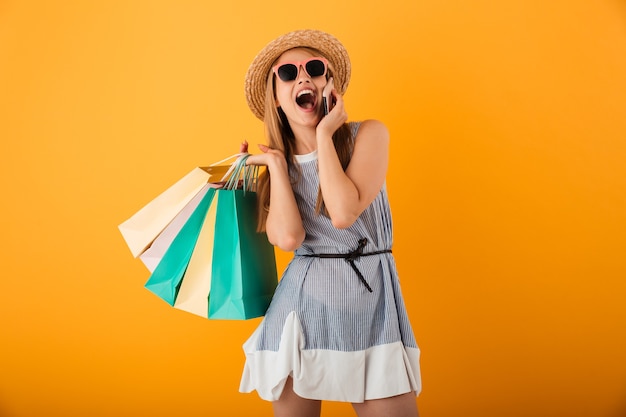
[{"x": 281, "y": 137}]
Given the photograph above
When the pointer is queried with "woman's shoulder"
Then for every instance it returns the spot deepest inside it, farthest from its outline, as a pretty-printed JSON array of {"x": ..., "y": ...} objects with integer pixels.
[{"x": 370, "y": 128}]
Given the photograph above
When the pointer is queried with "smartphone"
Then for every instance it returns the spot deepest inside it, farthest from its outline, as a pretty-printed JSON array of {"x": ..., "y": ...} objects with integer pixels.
[{"x": 327, "y": 96}]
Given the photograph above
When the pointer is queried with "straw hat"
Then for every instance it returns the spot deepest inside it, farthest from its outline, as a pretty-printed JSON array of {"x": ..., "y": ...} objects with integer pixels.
[{"x": 328, "y": 45}]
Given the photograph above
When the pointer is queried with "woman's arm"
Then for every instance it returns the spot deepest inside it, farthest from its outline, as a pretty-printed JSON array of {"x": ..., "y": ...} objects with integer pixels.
[
  {"x": 347, "y": 194},
  {"x": 284, "y": 225}
]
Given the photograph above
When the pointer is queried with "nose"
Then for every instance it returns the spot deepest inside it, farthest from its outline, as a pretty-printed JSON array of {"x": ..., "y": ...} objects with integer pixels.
[{"x": 303, "y": 76}]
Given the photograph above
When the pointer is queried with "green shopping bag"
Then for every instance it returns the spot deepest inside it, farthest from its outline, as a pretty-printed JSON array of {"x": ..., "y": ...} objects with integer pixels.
[
  {"x": 166, "y": 277},
  {"x": 243, "y": 277}
]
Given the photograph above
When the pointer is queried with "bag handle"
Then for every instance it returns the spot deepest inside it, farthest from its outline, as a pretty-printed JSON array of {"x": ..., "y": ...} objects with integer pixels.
[
  {"x": 232, "y": 166},
  {"x": 239, "y": 170},
  {"x": 226, "y": 159}
]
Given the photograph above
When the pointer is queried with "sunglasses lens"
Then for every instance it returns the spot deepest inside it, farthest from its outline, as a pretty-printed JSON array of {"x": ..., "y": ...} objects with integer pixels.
[
  {"x": 287, "y": 72},
  {"x": 315, "y": 68}
]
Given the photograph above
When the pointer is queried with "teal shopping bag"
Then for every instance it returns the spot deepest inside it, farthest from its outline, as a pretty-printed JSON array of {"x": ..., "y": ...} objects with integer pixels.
[
  {"x": 168, "y": 274},
  {"x": 244, "y": 265}
]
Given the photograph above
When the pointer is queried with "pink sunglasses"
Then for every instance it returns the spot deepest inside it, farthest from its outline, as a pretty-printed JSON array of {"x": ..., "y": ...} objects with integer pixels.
[{"x": 314, "y": 67}]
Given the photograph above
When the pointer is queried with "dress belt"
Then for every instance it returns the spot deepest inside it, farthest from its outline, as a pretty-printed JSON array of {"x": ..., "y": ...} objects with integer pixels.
[{"x": 351, "y": 257}]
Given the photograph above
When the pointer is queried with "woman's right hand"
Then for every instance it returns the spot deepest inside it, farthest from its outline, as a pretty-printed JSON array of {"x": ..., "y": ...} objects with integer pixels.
[{"x": 268, "y": 157}]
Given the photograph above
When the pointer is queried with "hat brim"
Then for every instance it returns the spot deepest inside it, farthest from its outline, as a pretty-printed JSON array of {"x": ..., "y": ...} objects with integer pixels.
[{"x": 328, "y": 45}]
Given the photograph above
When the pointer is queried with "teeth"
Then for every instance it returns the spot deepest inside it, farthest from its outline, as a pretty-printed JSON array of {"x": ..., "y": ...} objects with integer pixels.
[{"x": 303, "y": 92}]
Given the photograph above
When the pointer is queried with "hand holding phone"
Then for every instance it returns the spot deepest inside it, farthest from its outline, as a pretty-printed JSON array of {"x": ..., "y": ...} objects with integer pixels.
[{"x": 327, "y": 98}]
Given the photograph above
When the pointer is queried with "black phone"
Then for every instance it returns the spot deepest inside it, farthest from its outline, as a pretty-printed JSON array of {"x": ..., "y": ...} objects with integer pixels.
[{"x": 327, "y": 98}]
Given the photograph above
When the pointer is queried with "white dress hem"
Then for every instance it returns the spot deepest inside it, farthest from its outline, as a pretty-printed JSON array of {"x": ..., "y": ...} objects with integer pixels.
[{"x": 380, "y": 371}]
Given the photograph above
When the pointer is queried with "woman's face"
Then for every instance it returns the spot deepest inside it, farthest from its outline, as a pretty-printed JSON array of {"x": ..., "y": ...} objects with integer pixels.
[{"x": 300, "y": 99}]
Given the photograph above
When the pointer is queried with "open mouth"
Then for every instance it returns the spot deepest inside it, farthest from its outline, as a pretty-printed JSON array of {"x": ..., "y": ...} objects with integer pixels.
[{"x": 306, "y": 99}]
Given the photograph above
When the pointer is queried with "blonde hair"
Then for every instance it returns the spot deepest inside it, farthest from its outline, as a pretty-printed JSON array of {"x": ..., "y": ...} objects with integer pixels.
[{"x": 281, "y": 137}]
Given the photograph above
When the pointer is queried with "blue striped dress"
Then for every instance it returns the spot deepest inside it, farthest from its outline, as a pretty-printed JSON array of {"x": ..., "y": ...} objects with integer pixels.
[{"x": 324, "y": 328}]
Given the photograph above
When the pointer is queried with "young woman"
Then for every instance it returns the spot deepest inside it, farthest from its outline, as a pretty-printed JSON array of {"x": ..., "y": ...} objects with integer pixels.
[{"x": 337, "y": 328}]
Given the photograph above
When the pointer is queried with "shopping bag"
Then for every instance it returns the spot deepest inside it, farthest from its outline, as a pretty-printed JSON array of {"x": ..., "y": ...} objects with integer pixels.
[
  {"x": 140, "y": 230},
  {"x": 166, "y": 278},
  {"x": 244, "y": 269},
  {"x": 144, "y": 226}
]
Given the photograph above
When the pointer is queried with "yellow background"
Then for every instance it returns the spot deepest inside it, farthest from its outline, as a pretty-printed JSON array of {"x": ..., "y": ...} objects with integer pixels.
[{"x": 507, "y": 184}]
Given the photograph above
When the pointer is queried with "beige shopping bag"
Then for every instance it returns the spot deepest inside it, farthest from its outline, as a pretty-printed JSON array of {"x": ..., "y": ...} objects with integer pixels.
[
  {"x": 141, "y": 229},
  {"x": 153, "y": 255}
]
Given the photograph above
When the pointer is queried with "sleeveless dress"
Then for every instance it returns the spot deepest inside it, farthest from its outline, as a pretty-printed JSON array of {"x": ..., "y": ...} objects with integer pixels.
[{"x": 324, "y": 328}]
